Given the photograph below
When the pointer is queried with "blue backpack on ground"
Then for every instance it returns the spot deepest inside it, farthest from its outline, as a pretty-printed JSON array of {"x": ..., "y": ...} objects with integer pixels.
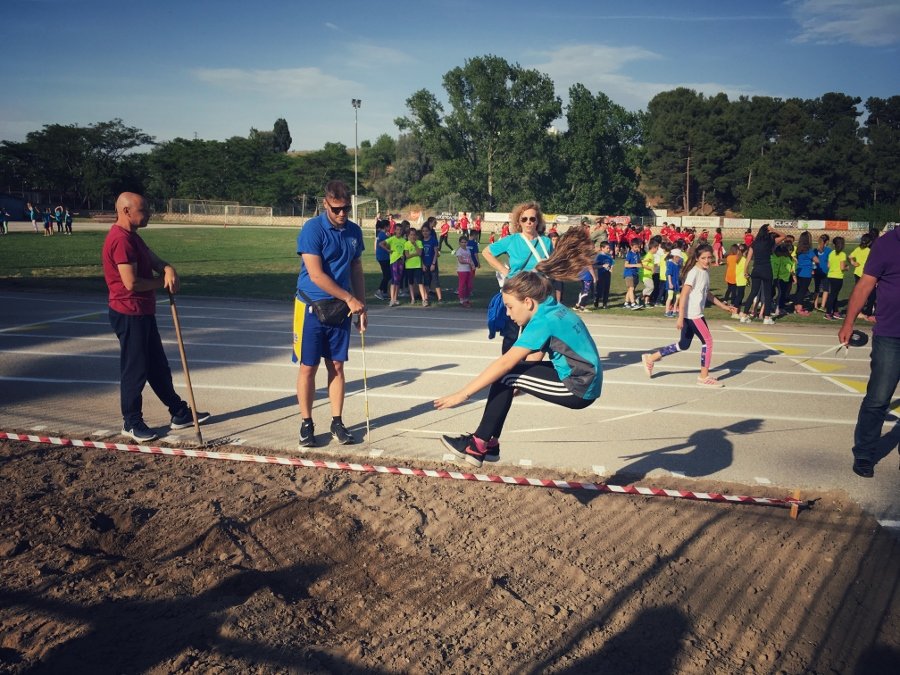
[{"x": 496, "y": 315}]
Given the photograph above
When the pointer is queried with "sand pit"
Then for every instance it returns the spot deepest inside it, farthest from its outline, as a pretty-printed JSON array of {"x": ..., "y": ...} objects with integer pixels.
[{"x": 114, "y": 563}]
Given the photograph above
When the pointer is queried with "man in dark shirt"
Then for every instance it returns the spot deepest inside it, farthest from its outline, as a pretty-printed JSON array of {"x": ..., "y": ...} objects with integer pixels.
[
  {"x": 882, "y": 268},
  {"x": 133, "y": 274}
]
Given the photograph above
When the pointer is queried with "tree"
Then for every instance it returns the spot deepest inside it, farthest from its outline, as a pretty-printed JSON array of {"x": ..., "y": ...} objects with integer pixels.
[
  {"x": 85, "y": 163},
  {"x": 281, "y": 137},
  {"x": 493, "y": 146},
  {"x": 409, "y": 178},
  {"x": 882, "y": 132},
  {"x": 374, "y": 159},
  {"x": 594, "y": 157}
]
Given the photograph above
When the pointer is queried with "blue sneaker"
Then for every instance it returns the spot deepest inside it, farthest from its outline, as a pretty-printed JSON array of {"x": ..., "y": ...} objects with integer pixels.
[
  {"x": 140, "y": 432},
  {"x": 185, "y": 419}
]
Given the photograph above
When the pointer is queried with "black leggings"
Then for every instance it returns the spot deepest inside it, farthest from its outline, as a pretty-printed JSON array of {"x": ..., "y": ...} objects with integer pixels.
[
  {"x": 833, "y": 293},
  {"x": 537, "y": 378},
  {"x": 762, "y": 287},
  {"x": 802, "y": 290},
  {"x": 738, "y": 295},
  {"x": 601, "y": 289},
  {"x": 385, "y": 275},
  {"x": 443, "y": 241}
]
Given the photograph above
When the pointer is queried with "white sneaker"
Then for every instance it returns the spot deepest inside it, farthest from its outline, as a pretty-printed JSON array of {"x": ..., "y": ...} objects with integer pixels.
[
  {"x": 745, "y": 319},
  {"x": 768, "y": 321},
  {"x": 736, "y": 316}
]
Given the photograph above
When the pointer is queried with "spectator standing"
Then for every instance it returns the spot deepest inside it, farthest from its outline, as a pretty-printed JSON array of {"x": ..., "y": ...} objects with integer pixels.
[
  {"x": 882, "y": 268},
  {"x": 761, "y": 277},
  {"x": 133, "y": 274},
  {"x": 603, "y": 266},
  {"x": 383, "y": 258},
  {"x": 524, "y": 250},
  {"x": 431, "y": 251},
  {"x": 465, "y": 271},
  {"x": 837, "y": 266},
  {"x": 330, "y": 246},
  {"x": 803, "y": 272}
]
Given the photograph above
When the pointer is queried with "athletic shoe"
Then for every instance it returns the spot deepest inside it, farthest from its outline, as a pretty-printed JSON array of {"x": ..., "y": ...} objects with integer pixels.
[
  {"x": 140, "y": 432},
  {"x": 340, "y": 433},
  {"x": 393, "y": 303},
  {"x": 492, "y": 450},
  {"x": 709, "y": 382},
  {"x": 736, "y": 316},
  {"x": 768, "y": 321},
  {"x": 467, "y": 304},
  {"x": 185, "y": 419},
  {"x": 307, "y": 435},
  {"x": 746, "y": 319},
  {"x": 465, "y": 448},
  {"x": 864, "y": 468},
  {"x": 648, "y": 364},
  {"x": 379, "y": 294},
  {"x": 604, "y": 307},
  {"x": 802, "y": 312},
  {"x": 424, "y": 303},
  {"x": 838, "y": 316},
  {"x": 829, "y": 317},
  {"x": 637, "y": 307}
]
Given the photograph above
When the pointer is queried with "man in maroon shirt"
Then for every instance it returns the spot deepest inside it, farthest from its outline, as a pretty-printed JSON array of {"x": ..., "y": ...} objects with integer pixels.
[{"x": 129, "y": 267}]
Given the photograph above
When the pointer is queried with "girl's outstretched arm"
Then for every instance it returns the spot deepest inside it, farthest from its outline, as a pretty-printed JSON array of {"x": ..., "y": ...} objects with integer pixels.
[{"x": 488, "y": 376}]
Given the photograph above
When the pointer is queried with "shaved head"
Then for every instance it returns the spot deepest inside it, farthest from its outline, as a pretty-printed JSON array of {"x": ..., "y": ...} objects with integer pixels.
[{"x": 132, "y": 211}]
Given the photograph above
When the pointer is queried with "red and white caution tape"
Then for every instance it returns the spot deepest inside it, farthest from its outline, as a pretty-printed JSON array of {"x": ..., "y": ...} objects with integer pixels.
[{"x": 403, "y": 471}]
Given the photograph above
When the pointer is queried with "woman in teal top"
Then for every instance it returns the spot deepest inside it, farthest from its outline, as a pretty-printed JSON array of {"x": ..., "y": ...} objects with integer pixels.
[
  {"x": 524, "y": 251},
  {"x": 572, "y": 378}
]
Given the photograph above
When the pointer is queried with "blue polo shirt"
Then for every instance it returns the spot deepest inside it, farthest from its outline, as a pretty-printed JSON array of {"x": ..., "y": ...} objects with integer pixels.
[
  {"x": 337, "y": 249},
  {"x": 520, "y": 255},
  {"x": 558, "y": 331}
]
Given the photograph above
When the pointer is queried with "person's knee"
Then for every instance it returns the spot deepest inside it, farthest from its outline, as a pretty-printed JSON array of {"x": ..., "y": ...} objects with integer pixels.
[{"x": 334, "y": 368}]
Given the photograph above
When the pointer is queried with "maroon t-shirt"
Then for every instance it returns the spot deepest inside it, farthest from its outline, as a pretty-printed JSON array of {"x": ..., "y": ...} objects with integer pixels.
[
  {"x": 122, "y": 247},
  {"x": 884, "y": 264}
]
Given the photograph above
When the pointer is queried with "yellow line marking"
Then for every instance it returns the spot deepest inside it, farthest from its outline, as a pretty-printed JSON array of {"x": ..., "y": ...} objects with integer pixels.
[{"x": 855, "y": 385}]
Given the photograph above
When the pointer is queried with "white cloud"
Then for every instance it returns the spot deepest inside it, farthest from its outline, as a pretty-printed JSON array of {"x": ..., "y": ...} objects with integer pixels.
[
  {"x": 332, "y": 26},
  {"x": 870, "y": 23},
  {"x": 598, "y": 68},
  {"x": 281, "y": 83},
  {"x": 371, "y": 55}
]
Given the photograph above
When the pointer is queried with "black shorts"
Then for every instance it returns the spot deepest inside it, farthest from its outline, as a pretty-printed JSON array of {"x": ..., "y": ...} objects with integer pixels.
[{"x": 414, "y": 276}]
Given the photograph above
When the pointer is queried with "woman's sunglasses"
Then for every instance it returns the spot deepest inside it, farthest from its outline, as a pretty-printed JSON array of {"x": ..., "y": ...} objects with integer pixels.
[{"x": 528, "y": 219}]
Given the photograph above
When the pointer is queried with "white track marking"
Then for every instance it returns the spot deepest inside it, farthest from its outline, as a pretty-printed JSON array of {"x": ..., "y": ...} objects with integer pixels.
[
  {"x": 526, "y": 462},
  {"x": 65, "y": 319},
  {"x": 599, "y": 469},
  {"x": 762, "y": 481},
  {"x": 101, "y": 432},
  {"x": 842, "y": 385},
  {"x": 39, "y": 427}
]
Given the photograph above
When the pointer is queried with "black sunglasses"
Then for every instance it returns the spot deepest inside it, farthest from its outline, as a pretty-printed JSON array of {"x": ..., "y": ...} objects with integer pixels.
[
  {"x": 528, "y": 219},
  {"x": 339, "y": 209}
]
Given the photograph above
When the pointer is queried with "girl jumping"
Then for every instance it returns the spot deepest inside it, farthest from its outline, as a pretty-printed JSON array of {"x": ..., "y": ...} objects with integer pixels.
[
  {"x": 694, "y": 294},
  {"x": 572, "y": 378}
]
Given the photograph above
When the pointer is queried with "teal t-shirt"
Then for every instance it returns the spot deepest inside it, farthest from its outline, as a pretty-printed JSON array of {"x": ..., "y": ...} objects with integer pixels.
[
  {"x": 561, "y": 333},
  {"x": 520, "y": 255}
]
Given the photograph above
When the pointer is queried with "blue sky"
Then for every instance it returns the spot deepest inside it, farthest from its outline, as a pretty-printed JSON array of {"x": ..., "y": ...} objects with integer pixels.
[{"x": 218, "y": 68}]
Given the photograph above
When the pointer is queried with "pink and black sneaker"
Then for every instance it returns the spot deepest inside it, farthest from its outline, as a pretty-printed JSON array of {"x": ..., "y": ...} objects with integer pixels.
[{"x": 467, "y": 447}]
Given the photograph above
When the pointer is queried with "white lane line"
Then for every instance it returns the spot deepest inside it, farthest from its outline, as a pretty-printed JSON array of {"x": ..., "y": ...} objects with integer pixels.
[
  {"x": 599, "y": 469},
  {"x": 678, "y": 474},
  {"x": 375, "y": 453},
  {"x": 526, "y": 462},
  {"x": 842, "y": 385},
  {"x": 403, "y": 332},
  {"x": 762, "y": 481},
  {"x": 39, "y": 427},
  {"x": 65, "y": 319},
  {"x": 447, "y": 457},
  {"x": 799, "y": 362},
  {"x": 737, "y": 390},
  {"x": 101, "y": 432},
  {"x": 743, "y": 414},
  {"x": 285, "y": 363},
  {"x": 286, "y": 348}
]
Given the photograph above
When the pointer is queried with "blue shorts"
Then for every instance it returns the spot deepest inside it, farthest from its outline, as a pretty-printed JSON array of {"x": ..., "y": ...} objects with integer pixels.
[{"x": 314, "y": 341}]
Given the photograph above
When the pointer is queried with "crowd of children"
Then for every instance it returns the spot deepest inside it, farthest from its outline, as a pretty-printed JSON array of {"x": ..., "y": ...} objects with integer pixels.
[
  {"x": 59, "y": 218},
  {"x": 803, "y": 278}
]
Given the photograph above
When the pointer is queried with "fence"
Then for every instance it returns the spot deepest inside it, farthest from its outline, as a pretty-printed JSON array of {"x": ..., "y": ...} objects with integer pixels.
[{"x": 219, "y": 212}]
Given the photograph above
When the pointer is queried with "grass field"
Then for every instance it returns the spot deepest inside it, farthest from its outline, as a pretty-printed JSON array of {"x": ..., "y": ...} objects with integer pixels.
[{"x": 240, "y": 262}]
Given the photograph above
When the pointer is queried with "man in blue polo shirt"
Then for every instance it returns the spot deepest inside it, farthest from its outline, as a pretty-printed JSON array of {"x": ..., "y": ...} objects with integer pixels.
[
  {"x": 330, "y": 246},
  {"x": 882, "y": 269}
]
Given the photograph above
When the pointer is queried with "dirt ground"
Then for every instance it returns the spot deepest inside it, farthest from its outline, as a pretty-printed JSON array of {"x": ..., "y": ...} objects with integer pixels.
[{"x": 112, "y": 563}]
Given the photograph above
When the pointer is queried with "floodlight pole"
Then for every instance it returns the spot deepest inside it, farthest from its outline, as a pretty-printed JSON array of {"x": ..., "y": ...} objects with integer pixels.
[{"x": 356, "y": 102}]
